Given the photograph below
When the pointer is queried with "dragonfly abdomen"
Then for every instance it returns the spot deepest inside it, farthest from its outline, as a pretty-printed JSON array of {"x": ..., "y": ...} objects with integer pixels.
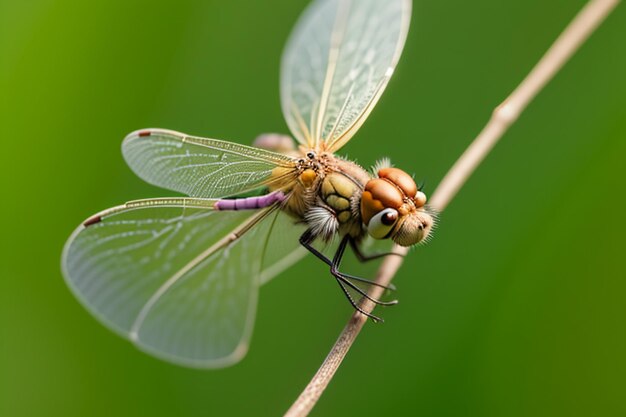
[{"x": 250, "y": 203}]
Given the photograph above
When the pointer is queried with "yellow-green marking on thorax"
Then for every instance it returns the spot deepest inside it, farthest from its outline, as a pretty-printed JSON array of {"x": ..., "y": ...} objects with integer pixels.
[{"x": 337, "y": 190}]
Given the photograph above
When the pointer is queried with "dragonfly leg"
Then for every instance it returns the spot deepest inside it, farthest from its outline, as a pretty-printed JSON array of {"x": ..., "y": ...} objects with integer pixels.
[
  {"x": 389, "y": 287},
  {"x": 334, "y": 269},
  {"x": 344, "y": 279},
  {"x": 307, "y": 238},
  {"x": 374, "y": 318},
  {"x": 356, "y": 249},
  {"x": 366, "y": 258}
]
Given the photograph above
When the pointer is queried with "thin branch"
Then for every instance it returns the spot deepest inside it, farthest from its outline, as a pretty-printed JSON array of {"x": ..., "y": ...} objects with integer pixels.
[{"x": 583, "y": 25}]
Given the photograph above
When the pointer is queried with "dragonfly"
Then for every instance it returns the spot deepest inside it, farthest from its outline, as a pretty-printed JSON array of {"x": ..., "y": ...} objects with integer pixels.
[{"x": 179, "y": 276}]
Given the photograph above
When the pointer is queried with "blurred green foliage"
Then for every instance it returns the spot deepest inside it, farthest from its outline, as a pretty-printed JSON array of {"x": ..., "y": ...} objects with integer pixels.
[{"x": 516, "y": 308}]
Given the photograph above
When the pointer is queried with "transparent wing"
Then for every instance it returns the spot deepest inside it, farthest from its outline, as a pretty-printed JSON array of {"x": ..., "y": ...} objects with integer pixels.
[
  {"x": 336, "y": 65},
  {"x": 284, "y": 247},
  {"x": 177, "y": 278},
  {"x": 199, "y": 167}
]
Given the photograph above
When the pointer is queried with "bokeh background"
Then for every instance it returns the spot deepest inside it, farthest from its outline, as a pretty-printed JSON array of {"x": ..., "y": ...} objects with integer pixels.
[{"x": 516, "y": 307}]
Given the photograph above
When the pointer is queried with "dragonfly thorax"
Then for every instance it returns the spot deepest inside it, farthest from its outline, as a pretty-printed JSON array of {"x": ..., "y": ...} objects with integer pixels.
[{"x": 334, "y": 205}]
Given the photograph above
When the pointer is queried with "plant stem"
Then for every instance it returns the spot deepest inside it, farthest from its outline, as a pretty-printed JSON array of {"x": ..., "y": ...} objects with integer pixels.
[{"x": 570, "y": 40}]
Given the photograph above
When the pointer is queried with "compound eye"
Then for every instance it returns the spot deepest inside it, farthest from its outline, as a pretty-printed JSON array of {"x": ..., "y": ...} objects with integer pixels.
[
  {"x": 381, "y": 224},
  {"x": 420, "y": 199}
]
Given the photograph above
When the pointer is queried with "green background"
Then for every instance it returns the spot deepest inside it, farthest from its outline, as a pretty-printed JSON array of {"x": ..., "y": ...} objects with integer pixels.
[{"x": 516, "y": 307}]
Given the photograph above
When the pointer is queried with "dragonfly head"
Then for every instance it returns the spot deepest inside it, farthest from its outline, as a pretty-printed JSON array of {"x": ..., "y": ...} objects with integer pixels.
[{"x": 393, "y": 207}]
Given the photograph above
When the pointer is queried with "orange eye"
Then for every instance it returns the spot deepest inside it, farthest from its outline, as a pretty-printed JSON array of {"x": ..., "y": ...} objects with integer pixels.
[
  {"x": 400, "y": 178},
  {"x": 420, "y": 199},
  {"x": 381, "y": 224}
]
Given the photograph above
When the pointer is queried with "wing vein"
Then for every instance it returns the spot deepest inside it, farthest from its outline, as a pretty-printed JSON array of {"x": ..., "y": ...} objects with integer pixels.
[
  {"x": 229, "y": 238},
  {"x": 336, "y": 39},
  {"x": 337, "y": 143}
]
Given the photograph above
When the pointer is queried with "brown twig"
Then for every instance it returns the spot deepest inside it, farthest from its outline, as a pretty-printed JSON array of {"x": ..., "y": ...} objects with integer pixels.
[{"x": 583, "y": 25}]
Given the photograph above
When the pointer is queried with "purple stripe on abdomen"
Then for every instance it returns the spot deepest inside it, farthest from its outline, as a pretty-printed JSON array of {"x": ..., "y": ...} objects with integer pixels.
[{"x": 250, "y": 203}]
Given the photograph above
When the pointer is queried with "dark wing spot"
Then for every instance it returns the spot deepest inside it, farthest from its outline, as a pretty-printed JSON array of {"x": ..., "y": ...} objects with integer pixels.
[
  {"x": 144, "y": 133},
  {"x": 92, "y": 220}
]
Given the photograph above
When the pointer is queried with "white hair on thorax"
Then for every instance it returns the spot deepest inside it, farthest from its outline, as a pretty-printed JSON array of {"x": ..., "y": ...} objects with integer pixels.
[{"x": 322, "y": 221}]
